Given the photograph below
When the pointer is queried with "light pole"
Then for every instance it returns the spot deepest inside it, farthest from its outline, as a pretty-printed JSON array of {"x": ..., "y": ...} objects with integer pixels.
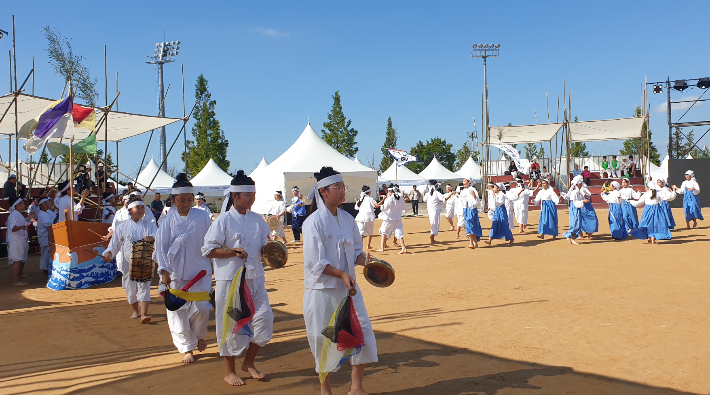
[
  {"x": 164, "y": 53},
  {"x": 485, "y": 51}
]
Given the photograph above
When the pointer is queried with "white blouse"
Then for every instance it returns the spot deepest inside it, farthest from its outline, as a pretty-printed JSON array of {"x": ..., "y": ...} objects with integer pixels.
[
  {"x": 629, "y": 194},
  {"x": 547, "y": 194},
  {"x": 689, "y": 184},
  {"x": 366, "y": 210}
]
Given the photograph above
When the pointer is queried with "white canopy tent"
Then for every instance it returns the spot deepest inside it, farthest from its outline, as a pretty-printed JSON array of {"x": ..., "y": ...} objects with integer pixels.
[
  {"x": 356, "y": 160},
  {"x": 260, "y": 166},
  {"x": 437, "y": 171},
  {"x": 400, "y": 175},
  {"x": 211, "y": 180},
  {"x": 524, "y": 134},
  {"x": 295, "y": 167},
  {"x": 606, "y": 129},
  {"x": 121, "y": 125},
  {"x": 471, "y": 169},
  {"x": 162, "y": 184}
]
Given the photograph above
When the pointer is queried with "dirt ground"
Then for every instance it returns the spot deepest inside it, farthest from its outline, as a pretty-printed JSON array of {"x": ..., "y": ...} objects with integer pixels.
[{"x": 541, "y": 317}]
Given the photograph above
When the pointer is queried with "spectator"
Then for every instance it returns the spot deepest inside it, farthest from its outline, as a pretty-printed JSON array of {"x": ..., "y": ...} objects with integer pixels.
[
  {"x": 10, "y": 189},
  {"x": 156, "y": 206},
  {"x": 534, "y": 169},
  {"x": 576, "y": 171},
  {"x": 631, "y": 166},
  {"x": 512, "y": 169},
  {"x": 545, "y": 175},
  {"x": 101, "y": 176},
  {"x": 604, "y": 172},
  {"x": 415, "y": 197},
  {"x": 587, "y": 175},
  {"x": 383, "y": 191}
]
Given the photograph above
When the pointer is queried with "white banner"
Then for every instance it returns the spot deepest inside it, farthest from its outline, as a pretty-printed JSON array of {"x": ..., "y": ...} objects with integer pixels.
[
  {"x": 401, "y": 156},
  {"x": 522, "y": 164}
]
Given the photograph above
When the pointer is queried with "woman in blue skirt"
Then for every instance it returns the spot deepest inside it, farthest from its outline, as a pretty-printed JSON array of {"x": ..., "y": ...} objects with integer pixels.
[
  {"x": 662, "y": 185},
  {"x": 590, "y": 222},
  {"x": 654, "y": 220},
  {"x": 469, "y": 199},
  {"x": 617, "y": 224},
  {"x": 691, "y": 202},
  {"x": 500, "y": 229},
  {"x": 631, "y": 219},
  {"x": 548, "y": 200},
  {"x": 577, "y": 200}
]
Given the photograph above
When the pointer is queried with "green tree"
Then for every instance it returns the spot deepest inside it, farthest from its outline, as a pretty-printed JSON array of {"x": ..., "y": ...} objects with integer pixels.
[
  {"x": 425, "y": 152},
  {"x": 533, "y": 150},
  {"x": 44, "y": 157},
  {"x": 338, "y": 133},
  {"x": 70, "y": 65},
  {"x": 462, "y": 155},
  {"x": 209, "y": 141},
  {"x": 390, "y": 142},
  {"x": 632, "y": 146}
]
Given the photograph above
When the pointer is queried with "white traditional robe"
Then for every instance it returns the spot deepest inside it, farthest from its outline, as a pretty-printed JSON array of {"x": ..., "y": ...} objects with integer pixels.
[
  {"x": 433, "y": 208},
  {"x": 124, "y": 235},
  {"x": 204, "y": 207},
  {"x": 450, "y": 204},
  {"x": 178, "y": 251},
  {"x": 278, "y": 207},
  {"x": 111, "y": 212},
  {"x": 689, "y": 184},
  {"x": 629, "y": 194},
  {"x": 366, "y": 216},
  {"x": 17, "y": 242},
  {"x": 509, "y": 209},
  {"x": 334, "y": 241},
  {"x": 521, "y": 202},
  {"x": 460, "y": 205},
  {"x": 45, "y": 219},
  {"x": 491, "y": 203},
  {"x": 65, "y": 203},
  {"x": 389, "y": 216},
  {"x": 250, "y": 232}
]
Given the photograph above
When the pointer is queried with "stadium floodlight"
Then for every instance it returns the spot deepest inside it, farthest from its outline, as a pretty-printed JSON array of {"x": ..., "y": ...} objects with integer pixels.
[
  {"x": 703, "y": 83},
  {"x": 164, "y": 53},
  {"x": 657, "y": 89},
  {"x": 3, "y": 33},
  {"x": 680, "y": 85}
]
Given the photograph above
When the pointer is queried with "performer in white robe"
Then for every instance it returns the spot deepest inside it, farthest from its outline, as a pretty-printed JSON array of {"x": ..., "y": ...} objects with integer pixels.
[
  {"x": 366, "y": 215},
  {"x": 459, "y": 210},
  {"x": 331, "y": 249},
  {"x": 450, "y": 199},
  {"x": 520, "y": 195},
  {"x": 491, "y": 200},
  {"x": 202, "y": 205},
  {"x": 178, "y": 252},
  {"x": 138, "y": 227},
  {"x": 690, "y": 189},
  {"x": 433, "y": 199},
  {"x": 278, "y": 208},
  {"x": 392, "y": 224},
  {"x": 17, "y": 240},
  {"x": 109, "y": 211},
  {"x": 44, "y": 221},
  {"x": 234, "y": 241},
  {"x": 509, "y": 205},
  {"x": 63, "y": 202}
]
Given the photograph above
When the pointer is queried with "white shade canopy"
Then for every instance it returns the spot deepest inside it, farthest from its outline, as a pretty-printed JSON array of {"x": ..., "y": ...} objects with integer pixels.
[
  {"x": 606, "y": 129},
  {"x": 524, "y": 134},
  {"x": 296, "y": 166},
  {"x": 260, "y": 166},
  {"x": 437, "y": 171},
  {"x": 211, "y": 175},
  {"x": 471, "y": 169},
  {"x": 401, "y": 175},
  {"x": 121, "y": 125},
  {"x": 162, "y": 180}
]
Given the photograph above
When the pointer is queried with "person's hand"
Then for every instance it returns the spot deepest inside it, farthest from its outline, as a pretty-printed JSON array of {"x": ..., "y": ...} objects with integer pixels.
[
  {"x": 85, "y": 193},
  {"x": 239, "y": 252},
  {"x": 107, "y": 237},
  {"x": 32, "y": 215},
  {"x": 347, "y": 280},
  {"x": 165, "y": 278},
  {"x": 585, "y": 201},
  {"x": 107, "y": 256},
  {"x": 150, "y": 239}
]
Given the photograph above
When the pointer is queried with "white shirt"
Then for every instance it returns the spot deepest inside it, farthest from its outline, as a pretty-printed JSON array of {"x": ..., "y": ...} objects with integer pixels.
[
  {"x": 612, "y": 197},
  {"x": 108, "y": 210},
  {"x": 388, "y": 208},
  {"x": 576, "y": 197},
  {"x": 178, "y": 244},
  {"x": 64, "y": 203},
  {"x": 45, "y": 219},
  {"x": 520, "y": 199},
  {"x": 647, "y": 200},
  {"x": 16, "y": 219},
  {"x": 499, "y": 198},
  {"x": 450, "y": 201},
  {"x": 327, "y": 241},
  {"x": 234, "y": 230},
  {"x": 468, "y": 197},
  {"x": 366, "y": 210},
  {"x": 205, "y": 208},
  {"x": 547, "y": 194},
  {"x": 278, "y": 207},
  {"x": 629, "y": 193},
  {"x": 433, "y": 201},
  {"x": 689, "y": 184},
  {"x": 124, "y": 235}
]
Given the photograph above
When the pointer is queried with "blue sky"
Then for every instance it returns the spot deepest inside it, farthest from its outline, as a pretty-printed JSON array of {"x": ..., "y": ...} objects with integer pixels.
[{"x": 272, "y": 65}]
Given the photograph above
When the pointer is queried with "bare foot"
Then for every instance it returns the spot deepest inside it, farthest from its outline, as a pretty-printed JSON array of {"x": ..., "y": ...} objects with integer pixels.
[
  {"x": 357, "y": 392},
  {"x": 471, "y": 246},
  {"x": 649, "y": 241},
  {"x": 395, "y": 244},
  {"x": 572, "y": 241},
  {"x": 487, "y": 242},
  {"x": 234, "y": 380},
  {"x": 521, "y": 231},
  {"x": 459, "y": 237},
  {"x": 451, "y": 229},
  {"x": 511, "y": 241},
  {"x": 369, "y": 247},
  {"x": 540, "y": 236},
  {"x": 21, "y": 283},
  {"x": 201, "y": 345},
  {"x": 145, "y": 319},
  {"x": 189, "y": 358},
  {"x": 554, "y": 237},
  {"x": 379, "y": 250},
  {"x": 255, "y": 374},
  {"x": 404, "y": 251},
  {"x": 135, "y": 315}
]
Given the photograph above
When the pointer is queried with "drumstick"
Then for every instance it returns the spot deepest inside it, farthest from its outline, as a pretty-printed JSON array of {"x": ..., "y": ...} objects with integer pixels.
[
  {"x": 96, "y": 233},
  {"x": 93, "y": 252}
]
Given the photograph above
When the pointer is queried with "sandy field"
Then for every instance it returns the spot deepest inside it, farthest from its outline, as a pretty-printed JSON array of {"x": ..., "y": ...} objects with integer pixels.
[{"x": 539, "y": 317}]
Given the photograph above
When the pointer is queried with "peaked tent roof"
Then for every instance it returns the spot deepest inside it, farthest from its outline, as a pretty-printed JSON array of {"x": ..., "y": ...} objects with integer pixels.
[
  {"x": 298, "y": 163},
  {"x": 471, "y": 169},
  {"x": 162, "y": 180},
  {"x": 356, "y": 160},
  {"x": 211, "y": 175},
  {"x": 437, "y": 171},
  {"x": 260, "y": 166},
  {"x": 121, "y": 125},
  {"x": 401, "y": 175}
]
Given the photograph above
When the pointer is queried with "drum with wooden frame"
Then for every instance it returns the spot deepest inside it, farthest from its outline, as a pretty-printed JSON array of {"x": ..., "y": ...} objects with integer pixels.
[
  {"x": 142, "y": 265},
  {"x": 379, "y": 273},
  {"x": 275, "y": 254}
]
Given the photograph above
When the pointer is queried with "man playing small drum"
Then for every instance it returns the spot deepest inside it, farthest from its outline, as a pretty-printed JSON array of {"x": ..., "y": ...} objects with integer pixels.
[{"x": 138, "y": 228}]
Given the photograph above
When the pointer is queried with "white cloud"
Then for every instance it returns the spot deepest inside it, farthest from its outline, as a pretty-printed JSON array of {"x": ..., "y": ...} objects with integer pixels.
[
  {"x": 663, "y": 107},
  {"x": 272, "y": 32}
]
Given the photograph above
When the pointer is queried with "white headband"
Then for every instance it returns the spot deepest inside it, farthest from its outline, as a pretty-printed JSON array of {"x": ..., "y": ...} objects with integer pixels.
[
  {"x": 690, "y": 173},
  {"x": 367, "y": 190},
  {"x": 226, "y": 192},
  {"x": 65, "y": 187},
  {"x": 12, "y": 208},
  {"x": 278, "y": 193},
  {"x": 329, "y": 181},
  {"x": 200, "y": 195},
  {"x": 181, "y": 190},
  {"x": 107, "y": 198},
  {"x": 45, "y": 200},
  {"x": 295, "y": 189},
  {"x": 125, "y": 198},
  {"x": 242, "y": 188},
  {"x": 135, "y": 193},
  {"x": 135, "y": 204},
  {"x": 616, "y": 184}
]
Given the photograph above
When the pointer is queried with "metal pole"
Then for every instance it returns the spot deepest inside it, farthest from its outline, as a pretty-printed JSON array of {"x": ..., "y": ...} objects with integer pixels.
[
  {"x": 161, "y": 113},
  {"x": 670, "y": 128},
  {"x": 117, "y": 176},
  {"x": 17, "y": 127},
  {"x": 102, "y": 187},
  {"x": 9, "y": 143},
  {"x": 14, "y": 51},
  {"x": 182, "y": 68},
  {"x": 33, "y": 76}
]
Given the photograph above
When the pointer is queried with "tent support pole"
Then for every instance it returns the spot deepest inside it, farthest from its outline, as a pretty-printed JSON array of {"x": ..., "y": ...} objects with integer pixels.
[
  {"x": 117, "y": 184},
  {"x": 184, "y": 124}
]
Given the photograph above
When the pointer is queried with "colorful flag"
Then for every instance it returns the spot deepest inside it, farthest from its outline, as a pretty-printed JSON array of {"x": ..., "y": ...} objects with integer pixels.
[
  {"x": 53, "y": 123},
  {"x": 343, "y": 338},
  {"x": 401, "y": 156},
  {"x": 239, "y": 309},
  {"x": 85, "y": 146},
  {"x": 83, "y": 117}
]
